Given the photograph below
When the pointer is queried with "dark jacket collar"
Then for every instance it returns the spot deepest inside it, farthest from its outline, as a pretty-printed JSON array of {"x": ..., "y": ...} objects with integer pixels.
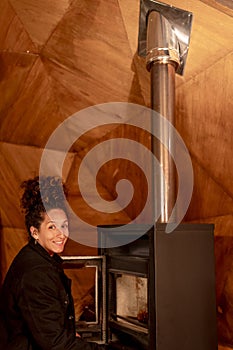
[{"x": 55, "y": 259}]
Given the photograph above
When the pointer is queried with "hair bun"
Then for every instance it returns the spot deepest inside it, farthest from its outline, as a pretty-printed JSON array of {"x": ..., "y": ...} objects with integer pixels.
[{"x": 42, "y": 194}]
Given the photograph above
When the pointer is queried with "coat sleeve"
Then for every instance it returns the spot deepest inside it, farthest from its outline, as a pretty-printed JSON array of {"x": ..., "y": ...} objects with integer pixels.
[{"x": 44, "y": 312}]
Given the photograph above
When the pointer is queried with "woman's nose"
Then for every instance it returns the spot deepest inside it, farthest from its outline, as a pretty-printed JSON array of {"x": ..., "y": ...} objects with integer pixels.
[{"x": 63, "y": 231}]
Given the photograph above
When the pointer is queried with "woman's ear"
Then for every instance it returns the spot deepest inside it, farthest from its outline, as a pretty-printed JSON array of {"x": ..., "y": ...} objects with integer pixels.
[{"x": 34, "y": 232}]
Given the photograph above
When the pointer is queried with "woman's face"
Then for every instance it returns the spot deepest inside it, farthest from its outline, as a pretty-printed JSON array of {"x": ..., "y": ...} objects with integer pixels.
[{"x": 53, "y": 232}]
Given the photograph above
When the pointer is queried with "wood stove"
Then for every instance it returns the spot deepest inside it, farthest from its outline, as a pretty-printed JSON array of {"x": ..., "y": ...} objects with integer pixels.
[{"x": 177, "y": 270}]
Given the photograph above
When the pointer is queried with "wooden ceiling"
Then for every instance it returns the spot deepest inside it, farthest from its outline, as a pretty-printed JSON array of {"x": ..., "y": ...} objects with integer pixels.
[{"x": 59, "y": 57}]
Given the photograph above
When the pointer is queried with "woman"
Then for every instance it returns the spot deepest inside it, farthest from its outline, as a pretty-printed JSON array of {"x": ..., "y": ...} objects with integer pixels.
[{"x": 36, "y": 305}]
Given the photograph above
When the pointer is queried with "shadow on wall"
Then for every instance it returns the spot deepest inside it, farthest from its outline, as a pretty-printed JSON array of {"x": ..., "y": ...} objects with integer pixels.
[{"x": 224, "y": 288}]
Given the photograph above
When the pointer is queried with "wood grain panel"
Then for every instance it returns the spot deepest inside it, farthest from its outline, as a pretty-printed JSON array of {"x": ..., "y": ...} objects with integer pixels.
[
  {"x": 225, "y": 6},
  {"x": 94, "y": 60},
  {"x": 209, "y": 198},
  {"x": 116, "y": 162},
  {"x": 12, "y": 240},
  {"x": 39, "y": 18},
  {"x": 14, "y": 73},
  {"x": 34, "y": 114},
  {"x": 204, "y": 120},
  {"x": 130, "y": 11},
  {"x": 94, "y": 217},
  {"x": 19, "y": 163},
  {"x": 210, "y": 40},
  {"x": 13, "y": 36},
  {"x": 73, "y": 247}
]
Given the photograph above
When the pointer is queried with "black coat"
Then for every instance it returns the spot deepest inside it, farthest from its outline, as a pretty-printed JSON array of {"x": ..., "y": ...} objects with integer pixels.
[{"x": 36, "y": 305}]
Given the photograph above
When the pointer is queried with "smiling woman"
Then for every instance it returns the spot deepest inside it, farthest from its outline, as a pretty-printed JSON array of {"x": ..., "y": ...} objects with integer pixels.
[
  {"x": 36, "y": 305},
  {"x": 53, "y": 232},
  {"x": 44, "y": 206}
]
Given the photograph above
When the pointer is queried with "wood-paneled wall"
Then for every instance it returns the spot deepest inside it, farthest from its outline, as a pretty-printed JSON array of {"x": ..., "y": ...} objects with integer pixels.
[{"x": 57, "y": 58}]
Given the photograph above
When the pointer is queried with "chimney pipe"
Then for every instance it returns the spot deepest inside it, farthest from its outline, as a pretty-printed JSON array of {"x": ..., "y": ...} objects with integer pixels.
[
  {"x": 162, "y": 61},
  {"x": 164, "y": 33}
]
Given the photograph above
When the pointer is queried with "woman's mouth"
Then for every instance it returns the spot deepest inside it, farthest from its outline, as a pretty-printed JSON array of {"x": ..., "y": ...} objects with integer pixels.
[{"x": 59, "y": 243}]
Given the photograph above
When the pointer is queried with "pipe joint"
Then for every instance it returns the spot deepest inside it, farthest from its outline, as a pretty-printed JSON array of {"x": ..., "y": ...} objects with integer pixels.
[{"x": 163, "y": 56}]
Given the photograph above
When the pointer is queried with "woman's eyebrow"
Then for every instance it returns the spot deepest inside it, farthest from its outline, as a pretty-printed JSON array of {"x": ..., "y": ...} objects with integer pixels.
[
  {"x": 54, "y": 221},
  {"x": 50, "y": 222}
]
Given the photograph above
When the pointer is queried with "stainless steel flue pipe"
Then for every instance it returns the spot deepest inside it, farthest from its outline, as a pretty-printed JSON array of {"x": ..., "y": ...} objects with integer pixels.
[
  {"x": 162, "y": 61},
  {"x": 164, "y": 33}
]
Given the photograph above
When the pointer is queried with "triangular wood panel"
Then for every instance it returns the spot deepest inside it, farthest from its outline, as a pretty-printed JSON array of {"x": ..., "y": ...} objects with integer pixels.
[
  {"x": 41, "y": 14},
  {"x": 13, "y": 35},
  {"x": 206, "y": 189}
]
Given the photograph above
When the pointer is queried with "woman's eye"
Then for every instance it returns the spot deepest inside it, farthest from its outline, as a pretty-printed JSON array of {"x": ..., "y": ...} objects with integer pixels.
[
  {"x": 52, "y": 227},
  {"x": 65, "y": 226}
]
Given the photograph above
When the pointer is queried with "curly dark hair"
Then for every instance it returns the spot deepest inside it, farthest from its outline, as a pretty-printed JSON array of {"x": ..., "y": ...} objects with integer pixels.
[{"x": 40, "y": 195}]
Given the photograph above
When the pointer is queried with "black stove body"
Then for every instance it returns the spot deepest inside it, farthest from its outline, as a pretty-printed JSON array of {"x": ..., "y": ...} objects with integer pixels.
[{"x": 157, "y": 292}]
